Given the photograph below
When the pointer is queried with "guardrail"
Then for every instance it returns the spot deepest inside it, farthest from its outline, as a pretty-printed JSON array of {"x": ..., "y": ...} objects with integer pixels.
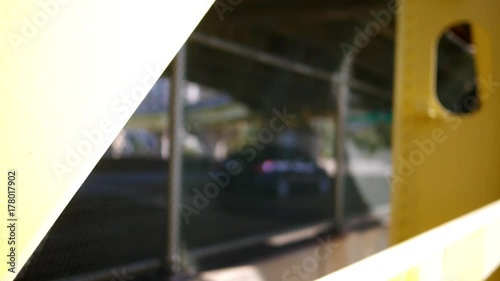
[{"x": 466, "y": 248}]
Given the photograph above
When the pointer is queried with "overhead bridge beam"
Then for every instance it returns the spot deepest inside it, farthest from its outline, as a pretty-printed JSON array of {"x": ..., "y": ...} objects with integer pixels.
[
  {"x": 283, "y": 63},
  {"x": 305, "y": 10}
]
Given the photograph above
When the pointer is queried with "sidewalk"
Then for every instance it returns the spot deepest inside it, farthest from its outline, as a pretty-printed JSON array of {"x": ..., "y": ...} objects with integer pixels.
[{"x": 303, "y": 263}]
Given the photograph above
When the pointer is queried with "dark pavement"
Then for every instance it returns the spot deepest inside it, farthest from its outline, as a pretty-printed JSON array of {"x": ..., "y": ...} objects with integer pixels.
[{"x": 118, "y": 217}]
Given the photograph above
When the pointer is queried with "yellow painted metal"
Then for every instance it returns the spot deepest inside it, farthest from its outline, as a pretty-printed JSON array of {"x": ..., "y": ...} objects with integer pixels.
[
  {"x": 444, "y": 165},
  {"x": 466, "y": 248},
  {"x": 72, "y": 74}
]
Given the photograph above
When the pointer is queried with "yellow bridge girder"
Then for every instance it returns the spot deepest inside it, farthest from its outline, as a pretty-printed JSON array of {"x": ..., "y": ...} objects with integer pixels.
[{"x": 444, "y": 165}]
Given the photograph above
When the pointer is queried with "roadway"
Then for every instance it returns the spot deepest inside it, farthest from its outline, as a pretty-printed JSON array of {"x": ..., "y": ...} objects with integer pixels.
[{"x": 118, "y": 218}]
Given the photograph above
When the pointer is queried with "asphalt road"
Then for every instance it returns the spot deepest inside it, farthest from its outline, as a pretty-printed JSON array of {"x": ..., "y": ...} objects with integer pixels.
[{"x": 118, "y": 217}]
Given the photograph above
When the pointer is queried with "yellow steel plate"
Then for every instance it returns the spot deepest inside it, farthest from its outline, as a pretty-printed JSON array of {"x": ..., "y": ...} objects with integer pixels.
[{"x": 443, "y": 165}]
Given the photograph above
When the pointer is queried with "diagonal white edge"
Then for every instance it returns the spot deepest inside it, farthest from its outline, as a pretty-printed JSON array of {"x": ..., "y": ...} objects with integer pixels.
[{"x": 73, "y": 72}]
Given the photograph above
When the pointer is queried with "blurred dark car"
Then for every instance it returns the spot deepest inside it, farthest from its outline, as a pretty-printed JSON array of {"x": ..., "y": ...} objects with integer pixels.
[{"x": 275, "y": 172}]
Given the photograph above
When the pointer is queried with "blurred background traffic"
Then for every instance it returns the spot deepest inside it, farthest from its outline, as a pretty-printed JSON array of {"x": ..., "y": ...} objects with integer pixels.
[{"x": 265, "y": 142}]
